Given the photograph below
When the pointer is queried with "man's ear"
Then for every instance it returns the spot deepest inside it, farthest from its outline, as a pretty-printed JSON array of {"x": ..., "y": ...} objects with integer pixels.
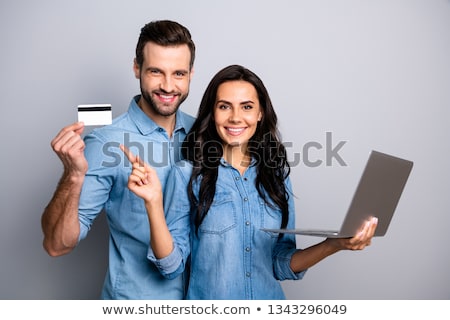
[{"x": 136, "y": 69}]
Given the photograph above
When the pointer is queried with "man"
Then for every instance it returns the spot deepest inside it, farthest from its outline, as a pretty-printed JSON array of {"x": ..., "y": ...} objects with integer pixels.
[{"x": 96, "y": 173}]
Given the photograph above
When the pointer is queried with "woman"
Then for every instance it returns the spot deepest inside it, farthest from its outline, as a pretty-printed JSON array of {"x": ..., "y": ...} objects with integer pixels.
[{"x": 233, "y": 183}]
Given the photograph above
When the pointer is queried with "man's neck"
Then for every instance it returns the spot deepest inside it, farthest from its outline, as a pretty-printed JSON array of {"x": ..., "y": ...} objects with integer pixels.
[{"x": 165, "y": 122}]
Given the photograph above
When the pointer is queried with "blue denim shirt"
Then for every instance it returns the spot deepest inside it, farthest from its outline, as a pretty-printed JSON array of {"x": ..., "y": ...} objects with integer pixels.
[
  {"x": 232, "y": 258},
  {"x": 130, "y": 274}
]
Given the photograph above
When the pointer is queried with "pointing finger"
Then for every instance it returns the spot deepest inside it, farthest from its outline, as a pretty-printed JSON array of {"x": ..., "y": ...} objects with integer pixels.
[
  {"x": 128, "y": 153},
  {"x": 131, "y": 157}
]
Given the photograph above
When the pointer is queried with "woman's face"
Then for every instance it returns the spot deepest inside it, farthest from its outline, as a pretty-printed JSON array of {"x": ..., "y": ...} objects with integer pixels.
[{"x": 236, "y": 112}]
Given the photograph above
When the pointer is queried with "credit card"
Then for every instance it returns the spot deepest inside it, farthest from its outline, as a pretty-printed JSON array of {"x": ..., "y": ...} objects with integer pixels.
[{"x": 95, "y": 114}]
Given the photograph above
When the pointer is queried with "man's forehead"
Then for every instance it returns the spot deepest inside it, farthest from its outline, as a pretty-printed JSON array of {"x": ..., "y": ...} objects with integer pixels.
[{"x": 173, "y": 57}]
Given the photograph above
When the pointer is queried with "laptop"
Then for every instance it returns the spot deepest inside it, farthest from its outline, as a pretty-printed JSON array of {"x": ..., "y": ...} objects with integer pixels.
[{"x": 377, "y": 194}]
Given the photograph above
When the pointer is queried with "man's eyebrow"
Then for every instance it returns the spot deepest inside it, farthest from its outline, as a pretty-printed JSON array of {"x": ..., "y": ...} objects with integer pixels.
[
  {"x": 181, "y": 71},
  {"x": 152, "y": 68}
]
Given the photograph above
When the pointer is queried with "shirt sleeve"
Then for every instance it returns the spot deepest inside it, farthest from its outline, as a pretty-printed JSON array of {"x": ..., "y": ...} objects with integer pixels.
[
  {"x": 97, "y": 184},
  {"x": 286, "y": 245},
  {"x": 177, "y": 212}
]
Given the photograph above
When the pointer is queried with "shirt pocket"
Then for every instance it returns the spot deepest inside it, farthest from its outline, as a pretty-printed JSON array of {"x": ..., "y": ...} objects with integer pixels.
[
  {"x": 270, "y": 217},
  {"x": 221, "y": 216}
]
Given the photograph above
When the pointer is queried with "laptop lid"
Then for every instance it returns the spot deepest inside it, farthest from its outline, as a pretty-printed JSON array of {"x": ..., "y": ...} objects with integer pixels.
[{"x": 377, "y": 194}]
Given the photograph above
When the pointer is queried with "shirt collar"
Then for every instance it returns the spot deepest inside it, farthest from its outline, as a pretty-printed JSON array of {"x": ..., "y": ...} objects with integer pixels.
[
  {"x": 226, "y": 164},
  {"x": 146, "y": 125}
]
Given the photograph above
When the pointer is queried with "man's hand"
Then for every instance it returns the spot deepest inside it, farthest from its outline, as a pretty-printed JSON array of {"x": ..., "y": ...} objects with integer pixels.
[{"x": 69, "y": 146}]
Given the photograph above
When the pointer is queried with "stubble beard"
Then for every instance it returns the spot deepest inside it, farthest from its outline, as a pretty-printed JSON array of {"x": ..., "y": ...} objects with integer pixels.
[{"x": 162, "y": 111}]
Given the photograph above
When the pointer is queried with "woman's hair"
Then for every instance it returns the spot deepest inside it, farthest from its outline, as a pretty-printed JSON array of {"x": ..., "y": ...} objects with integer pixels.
[
  {"x": 164, "y": 33},
  {"x": 203, "y": 147}
]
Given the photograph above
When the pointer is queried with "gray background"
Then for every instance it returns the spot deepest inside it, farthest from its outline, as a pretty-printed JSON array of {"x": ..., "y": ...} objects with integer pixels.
[{"x": 375, "y": 74}]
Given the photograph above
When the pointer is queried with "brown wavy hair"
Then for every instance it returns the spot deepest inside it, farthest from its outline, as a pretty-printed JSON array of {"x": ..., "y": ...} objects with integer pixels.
[{"x": 203, "y": 148}]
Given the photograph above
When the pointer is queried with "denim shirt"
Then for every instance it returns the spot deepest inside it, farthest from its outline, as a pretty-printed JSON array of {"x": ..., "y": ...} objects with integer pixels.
[
  {"x": 130, "y": 275},
  {"x": 231, "y": 258}
]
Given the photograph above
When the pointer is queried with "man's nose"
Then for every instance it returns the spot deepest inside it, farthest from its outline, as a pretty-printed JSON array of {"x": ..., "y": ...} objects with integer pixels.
[{"x": 167, "y": 84}]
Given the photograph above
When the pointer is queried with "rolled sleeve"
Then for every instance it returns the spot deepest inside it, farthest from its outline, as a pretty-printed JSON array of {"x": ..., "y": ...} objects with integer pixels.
[
  {"x": 282, "y": 266},
  {"x": 177, "y": 212},
  {"x": 96, "y": 186},
  {"x": 169, "y": 267}
]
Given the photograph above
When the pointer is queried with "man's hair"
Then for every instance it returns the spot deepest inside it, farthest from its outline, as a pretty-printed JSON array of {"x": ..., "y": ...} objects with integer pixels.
[{"x": 164, "y": 33}]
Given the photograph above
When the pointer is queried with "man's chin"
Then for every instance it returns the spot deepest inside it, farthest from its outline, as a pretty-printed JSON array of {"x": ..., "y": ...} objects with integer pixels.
[
  {"x": 160, "y": 108},
  {"x": 167, "y": 111}
]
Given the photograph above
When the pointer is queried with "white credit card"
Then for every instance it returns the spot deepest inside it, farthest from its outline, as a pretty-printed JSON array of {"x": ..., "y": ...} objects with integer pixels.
[{"x": 95, "y": 114}]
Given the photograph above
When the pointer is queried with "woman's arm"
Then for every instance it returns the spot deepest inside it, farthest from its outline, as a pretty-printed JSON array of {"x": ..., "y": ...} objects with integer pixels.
[{"x": 304, "y": 259}]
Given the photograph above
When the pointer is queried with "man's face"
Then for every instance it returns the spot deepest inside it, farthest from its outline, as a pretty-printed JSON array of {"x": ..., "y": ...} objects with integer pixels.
[{"x": 164, "y": 77}]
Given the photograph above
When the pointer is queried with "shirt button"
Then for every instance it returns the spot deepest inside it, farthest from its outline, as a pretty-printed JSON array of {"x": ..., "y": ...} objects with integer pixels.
[
  {"x": 245, "y": 199},
  {"x": 245, "y": 179},
  {"x": 247, "y": 249},
  {"x": 247, "y": 274},
  {"x": 247, "y": 223},
  {"x": 237, "y": 178}
]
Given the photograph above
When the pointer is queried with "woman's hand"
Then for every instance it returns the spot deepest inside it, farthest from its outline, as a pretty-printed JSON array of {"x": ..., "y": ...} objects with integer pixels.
[
  {"x": 143, "y": 180},
  {"x": 361, "y": 240}
]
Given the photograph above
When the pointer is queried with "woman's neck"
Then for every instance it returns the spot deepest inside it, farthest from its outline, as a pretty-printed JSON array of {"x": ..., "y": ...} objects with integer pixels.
[{"x": 237, "y": 156}]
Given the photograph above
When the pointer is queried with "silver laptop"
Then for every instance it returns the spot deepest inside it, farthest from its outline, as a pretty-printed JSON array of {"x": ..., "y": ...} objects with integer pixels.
[{"x": 377, "y": 194}]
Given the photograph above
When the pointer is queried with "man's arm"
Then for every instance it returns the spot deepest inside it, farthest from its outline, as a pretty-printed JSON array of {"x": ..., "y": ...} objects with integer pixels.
[{"x": 59, "y": 221}]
